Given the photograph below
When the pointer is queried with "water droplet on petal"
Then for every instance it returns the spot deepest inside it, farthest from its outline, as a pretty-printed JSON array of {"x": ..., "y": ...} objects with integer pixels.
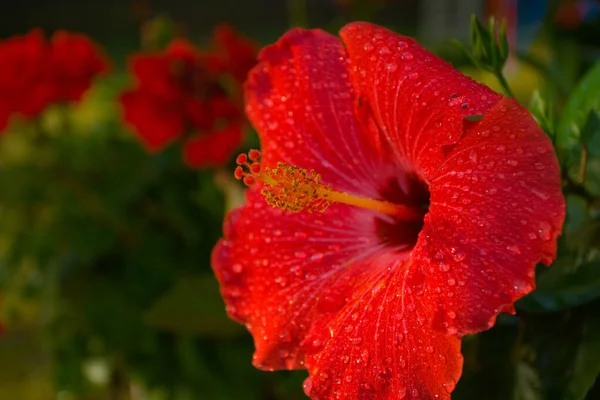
[
  {"x": 429, "y": 349},
  {"x": 539, "y": 166},
  {"x": 459, "y": 256},
  {"x": 407, "y": 56},
  {"x": 392, "y": 67},
  {"x": 300, "y": 254},
  {"x": 414, "y": 393},
  {"x": 444, "y": 267},
  {"x": 237, "y": 268},
  {"x": 449, "y": 385},
  {"x": 384, "y": 51},
  {"x": 401, "y": 393},
  {"x": 402, "y": 45},
  {"x": 513, "y": 249},
  {"x": 307, "y": 386},
  {"x": 545, "y": 231},
  {"x": 368, "y": 47},
  {"x": 473, "y": 157},
  {"x": 316, "y": 257}
]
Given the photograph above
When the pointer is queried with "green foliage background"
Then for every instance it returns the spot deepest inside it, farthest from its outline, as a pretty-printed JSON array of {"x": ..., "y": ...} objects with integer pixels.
[{"x": 105, "y": 280}]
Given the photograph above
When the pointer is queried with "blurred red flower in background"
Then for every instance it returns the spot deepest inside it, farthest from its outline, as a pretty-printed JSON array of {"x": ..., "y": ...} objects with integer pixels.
[
  {"x": 183, "y": 91},
  {"x": 35, "y": 73},
  {"x": 373, "y": 304}
]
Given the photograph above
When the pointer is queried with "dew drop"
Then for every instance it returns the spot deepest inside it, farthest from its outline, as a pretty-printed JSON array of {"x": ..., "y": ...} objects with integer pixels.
[
  {"x": 451, "y": 314},
  {"x": 410, "y": 307},
  {"x": 444, "y": 267},
  {"x": 392, "y": 67},
  {"x": 414, "y": 393},
  {"x": 368, "y": 47},
  {"x": 300, "y": 255},
  {"x": 402, "y": 362},
  {"x": 237, "y": 268},
  {"x": 449, "y": 385},
  {"x": 413, "y": 75},
  {"x": 307, "y": 386},
  {"x": 513, "y": 249},
  {"x": 384, "y": 51},
  {"x": 451, "y": 282},
  {"x": 501, "y": 148},
  {"x": 473, "y": 157},
  {"x": 459, "y": 256},
  {"x": 316, "y": 257},
  {"x": 401, "y": 393},
  {"x": 300, "y": 235},
  {"x": 406, "y": 56},
  {"x": 429, "y": 349},
  {"x": 545, "y": 231},
  {"x": 402, "y": 45},
  {"x": 513, "y": 163}
]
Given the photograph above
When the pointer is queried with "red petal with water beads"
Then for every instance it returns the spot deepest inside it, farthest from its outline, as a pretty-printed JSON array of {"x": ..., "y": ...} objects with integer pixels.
[
  {"x": 418, "y": 100},
  {"x": 365, "y": 315},
  {"x": 496, "y": 210},
  {"x": 300, "y": 100},
  {"x": 496, "y": 201},
  {"x": 318, "y": 292}
]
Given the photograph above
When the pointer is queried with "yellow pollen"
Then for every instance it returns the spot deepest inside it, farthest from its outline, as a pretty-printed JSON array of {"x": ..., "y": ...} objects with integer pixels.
[{"x": 295, "y": 189}]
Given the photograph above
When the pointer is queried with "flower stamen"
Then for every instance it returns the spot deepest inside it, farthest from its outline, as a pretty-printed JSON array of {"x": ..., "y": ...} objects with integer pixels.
[{"x": 294, "y": 189}]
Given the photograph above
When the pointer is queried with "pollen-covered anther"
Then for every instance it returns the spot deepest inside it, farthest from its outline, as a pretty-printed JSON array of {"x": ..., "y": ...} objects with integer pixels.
[{"x": 295, "y": 189}]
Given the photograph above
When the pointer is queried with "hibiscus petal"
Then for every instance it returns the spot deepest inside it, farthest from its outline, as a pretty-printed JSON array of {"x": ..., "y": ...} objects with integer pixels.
[
  {"x": 418, "y": 100},
  {"x": 496, "y": 210},
  {"x": 300, "y": 100},
  {"x": 319, "y": 292}
]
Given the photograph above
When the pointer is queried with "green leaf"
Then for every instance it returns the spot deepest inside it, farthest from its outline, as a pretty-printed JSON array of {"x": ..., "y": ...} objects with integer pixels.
[
  {"x": 527, "y": 383},
  {"x": 563, "y": 349},
  {"x": 586, "y": 367},
  {"x": 576, "y": 112},
  {"x": 542, "y": 112},
  {"x": 193, "y": 306},
  {"x": 591, "y": 128}
]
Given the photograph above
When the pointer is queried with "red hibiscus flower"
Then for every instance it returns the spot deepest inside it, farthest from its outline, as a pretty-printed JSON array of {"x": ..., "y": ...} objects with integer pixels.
[
  {"x": 179, "y": 93},
  {"x": 432, "y": 224},
  {"x": 76, "y": 61},
  {"x": 35, "y": 73}
]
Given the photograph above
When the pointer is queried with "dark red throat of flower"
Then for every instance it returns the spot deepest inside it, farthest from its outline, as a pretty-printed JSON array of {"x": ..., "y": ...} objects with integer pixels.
[{"x": 296, "y": 189}]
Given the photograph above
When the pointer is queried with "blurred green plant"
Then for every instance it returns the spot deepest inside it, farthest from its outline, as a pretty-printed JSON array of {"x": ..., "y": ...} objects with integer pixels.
[{"x": 106, "y": 286}]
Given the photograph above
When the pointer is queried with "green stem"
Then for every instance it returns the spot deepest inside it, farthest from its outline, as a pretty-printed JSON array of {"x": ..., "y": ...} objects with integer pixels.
[{"x": 504, "y": 83}]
